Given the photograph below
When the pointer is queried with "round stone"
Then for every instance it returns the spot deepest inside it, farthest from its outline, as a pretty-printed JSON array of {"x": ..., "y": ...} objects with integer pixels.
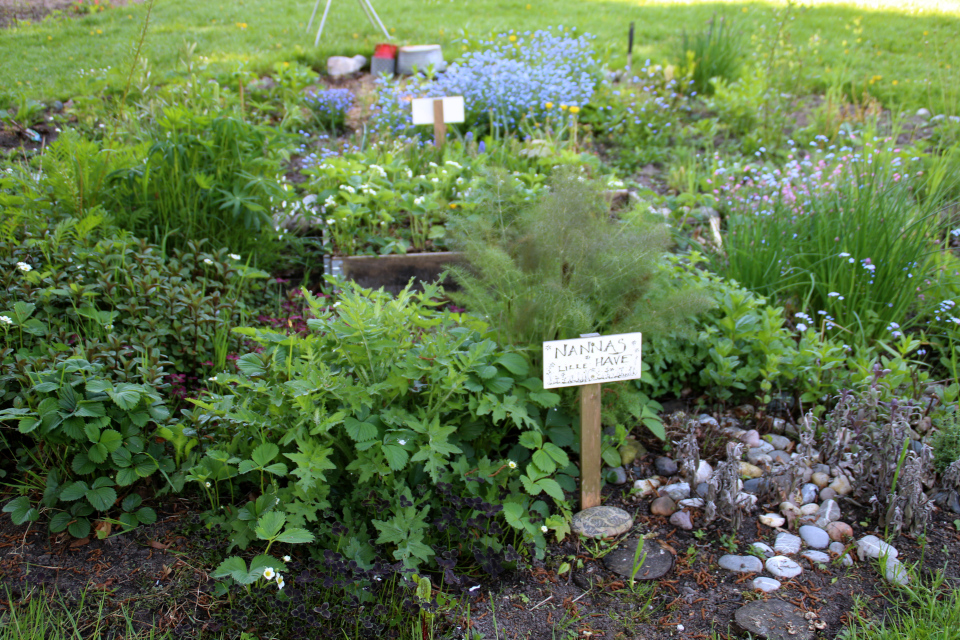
[
  {"x": 773, "y": 620},
  {"x": 752, "y": 485},
  {"x": 783, "y": 567},
  {"x": 750, "y": 438},
  {"x": 763, "y": 548},
  {"x": 765, "y": 584},
  {"x": 789, "y": 507},
  {"x": 780, "y": 457},
  {"x": 779, "y": 442},
  {"x": 841, "y": 485},
  {"x": 665, "y": 466},
  {"x": 695, "y": 503},
  {"x": 601, "y": 522},
  {"x": 820, "y": 479},
  {"x": 617, "y": 475},
  {"x": 894, "y": 571},
  {"x": 681, "y": 520},
  {"x": 839, "y": 531},
  {"x": 663, "y": 506},
  {"x": 829, "y": 512},
  {"x": 809, "y": 509},
  {"x": 786, "y": 543},
  {"x": 815, "y": 537},
  {"x": 749, "y": 471},
  {"x": 704, "y": 472},
  {"x": 808, "y": 493},
  {"x": 647, "y": 486},
  {"x": 654, "y": 561},
  {"x": 827, "y": 494},
  {"x": 630, "y": 451},
  {"x": 772, "y": 520},
  {"x": 741, "y": 564},
  {"x": 874, "y": 547}
]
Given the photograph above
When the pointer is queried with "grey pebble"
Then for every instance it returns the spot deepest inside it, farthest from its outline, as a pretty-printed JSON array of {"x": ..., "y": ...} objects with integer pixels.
[
  {"x": 665, "y": 466},
  {"x": 815, "y": 537},
  {"x": 741, "y": 564},
  {"x": 786, "y": 543}
]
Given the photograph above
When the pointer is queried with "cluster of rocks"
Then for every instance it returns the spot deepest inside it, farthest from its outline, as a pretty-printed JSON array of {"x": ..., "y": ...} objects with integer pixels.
[{"x": 812, "y": 509}]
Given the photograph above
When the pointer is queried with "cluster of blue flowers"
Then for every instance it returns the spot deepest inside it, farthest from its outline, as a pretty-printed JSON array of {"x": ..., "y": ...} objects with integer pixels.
[
  {"x": 330, "y": 107},
  {"x": 516, "y": 76}
]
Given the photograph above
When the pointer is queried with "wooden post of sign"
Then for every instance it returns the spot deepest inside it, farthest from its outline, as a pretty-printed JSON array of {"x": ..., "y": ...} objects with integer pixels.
[
  {"x": 439, "y": 126},
  {"x": 590, "y": 442}
]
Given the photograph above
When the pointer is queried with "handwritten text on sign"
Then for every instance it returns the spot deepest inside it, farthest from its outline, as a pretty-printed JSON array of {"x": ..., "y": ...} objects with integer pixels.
[{"x": 570, "y": 363}]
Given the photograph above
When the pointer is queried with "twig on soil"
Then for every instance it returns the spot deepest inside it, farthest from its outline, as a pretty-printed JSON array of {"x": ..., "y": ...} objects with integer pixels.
[{"x": 541, "y": 602}]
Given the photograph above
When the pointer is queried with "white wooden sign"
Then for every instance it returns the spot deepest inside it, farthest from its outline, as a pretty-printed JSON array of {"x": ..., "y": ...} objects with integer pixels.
[
  {"x": 593, "y": 360},
  {"x": 423, "y": 109}
]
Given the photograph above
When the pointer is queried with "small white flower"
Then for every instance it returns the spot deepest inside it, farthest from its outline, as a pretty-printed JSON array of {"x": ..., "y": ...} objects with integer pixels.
[
  {"x": 286, "y": 558},
  {"x": 418, "y": 201},
  {"x": 23, "y": 266},
  {"x": 434, "y": 179},
  {"x": 680, "y": 627},
  {"x": 544, "y": 528},
  {"x": 330, "y": 201},
  {"x": 5, "y": 320},
  {"x": 269, "y": 573},
  {"x": 280, "y": 582},
  {"x": 331, "y": 221},
  {"x": 234, "y": 256},
  {"x": 213, "y": 379},
  {"x": 207, "y": 261},
  {"x": 801, "y": 327},
  {"x": 401, "y": 442},
  {"x": 844, "y": 255},
  {"x": 833, "y": 294},
  {"x": 512, "y": 464},
  {"x": 207, "y": 484},
  {"x": 348, "y": 188},
  {"x": 433, "y": 164}
]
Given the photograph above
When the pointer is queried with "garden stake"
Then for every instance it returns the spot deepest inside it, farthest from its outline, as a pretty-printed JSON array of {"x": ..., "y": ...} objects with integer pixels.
[
  {"x": 439, "y": 126},
  {"x": 589, "y": 445}
]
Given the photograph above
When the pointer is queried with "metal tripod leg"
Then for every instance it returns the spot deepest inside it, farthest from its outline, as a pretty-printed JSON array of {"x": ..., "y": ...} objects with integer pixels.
[{"x": 323, "y": 21}]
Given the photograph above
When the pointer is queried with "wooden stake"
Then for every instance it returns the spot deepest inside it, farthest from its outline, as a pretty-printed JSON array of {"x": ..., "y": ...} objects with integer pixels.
[
  {"x": 590, "y": 444},
  {"x": 439, "y": 126}
]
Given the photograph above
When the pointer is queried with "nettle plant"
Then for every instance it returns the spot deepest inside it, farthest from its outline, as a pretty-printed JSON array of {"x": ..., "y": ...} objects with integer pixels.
[
  {"x": 92, "y": 438},
  {"x": 395, "y": 418}
]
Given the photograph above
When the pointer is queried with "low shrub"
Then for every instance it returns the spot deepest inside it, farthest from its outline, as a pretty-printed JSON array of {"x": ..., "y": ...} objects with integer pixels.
[{"x": 391, "y": 419}]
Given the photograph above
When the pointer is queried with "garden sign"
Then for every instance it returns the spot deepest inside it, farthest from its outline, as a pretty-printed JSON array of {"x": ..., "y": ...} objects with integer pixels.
[
  {"x": 438, "y": 112},
  {"x": 587, "y": 362}
]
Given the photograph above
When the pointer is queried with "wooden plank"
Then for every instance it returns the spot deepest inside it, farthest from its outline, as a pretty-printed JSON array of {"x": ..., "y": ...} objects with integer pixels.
[
  {"x": 590, "y": 446},
  {"x": 439, "y": 126}
]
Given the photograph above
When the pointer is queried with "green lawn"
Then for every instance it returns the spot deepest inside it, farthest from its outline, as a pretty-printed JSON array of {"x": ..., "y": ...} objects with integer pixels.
[{"x": 902, "y": 54}]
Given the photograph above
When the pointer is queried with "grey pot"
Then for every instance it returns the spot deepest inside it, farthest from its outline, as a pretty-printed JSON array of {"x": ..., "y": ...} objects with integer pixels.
[{"x": 422, "y": 56}]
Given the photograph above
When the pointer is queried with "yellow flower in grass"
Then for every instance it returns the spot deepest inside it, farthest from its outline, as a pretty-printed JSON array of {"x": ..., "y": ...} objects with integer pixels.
[
  {"x": 512, "y": 38},
  {"x": 549, "y": 105},
  {"x": 563, "y": 107},
  {"x": 574, "y": 109},
  {"x": 241, "y": 25}
]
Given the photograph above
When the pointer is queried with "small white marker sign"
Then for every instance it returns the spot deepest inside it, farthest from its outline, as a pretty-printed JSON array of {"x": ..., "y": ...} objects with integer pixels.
[
  {"x": 593, "y": 360},
  {"x": 423, "y": 111}
]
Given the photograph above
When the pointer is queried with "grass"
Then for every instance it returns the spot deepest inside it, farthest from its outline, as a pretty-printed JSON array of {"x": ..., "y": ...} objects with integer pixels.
[
  {"x": 904, "y": 55},
  {"x": 919, "y": 612}
]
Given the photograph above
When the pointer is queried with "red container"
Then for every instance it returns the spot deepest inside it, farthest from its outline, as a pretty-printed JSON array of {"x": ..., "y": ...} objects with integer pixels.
[{"x": 385, "y": 51}]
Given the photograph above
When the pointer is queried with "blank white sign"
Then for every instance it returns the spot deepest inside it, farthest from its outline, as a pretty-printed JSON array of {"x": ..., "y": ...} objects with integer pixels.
[{"x": 423, "y": 109}]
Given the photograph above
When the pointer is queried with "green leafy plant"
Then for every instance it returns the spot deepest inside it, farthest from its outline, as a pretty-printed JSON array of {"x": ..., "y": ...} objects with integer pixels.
[
  {"x": 91, "y": 438},
  {"x": 714, "y": 52}
]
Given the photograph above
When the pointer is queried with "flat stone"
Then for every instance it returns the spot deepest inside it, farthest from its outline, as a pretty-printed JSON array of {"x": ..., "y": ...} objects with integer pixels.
[
  {"x": 783, "y": 567},
  {"x": 677, "y": 491},
  {"x": 821, "y": 468},
  {"x": 647, "y": 486},
  {"x": 601, "y": 522},
  {"x": 780, "y": 457},
  {"x": 741, "y": 564},
  {"x": 809, "y": 509},
  {"x": 748, "y": 470},
  {"x": 779, "y": 442},
  {"x": 839, "y": 531},
  {"x": 663, "y": 506},
  {"x": 766, "y": 584},
  {"x": 828, "y": 512},
  {"x": 750, "y": 438},
  {"x": 752, "y": 485},
  {"x": 809, "y": 493},
  {"x": 657, "y": 561},
  {"x": 759, "y": 458},
  {"x": 704, "y": 472},
  {"x": 827, "y": 494},
  {"x": 702, "y": 489},
  {"x": 772, "y": 520},
  {"x": 873, "y": 547},
  {"x": 773, "y": 620},
  {"x": 665, "y": 466},
  {"x": 681, "y": 520},
  {"x": 764, "y": 548},
  {"x": 818, "y": 557},
  {"x": 815, "y": 537},
  {"x": 789, "y": 507},
  {"x": 708, "y": 420},
  {"x": 786, "y": 543},
  {"x": 617, "y": 475}
]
